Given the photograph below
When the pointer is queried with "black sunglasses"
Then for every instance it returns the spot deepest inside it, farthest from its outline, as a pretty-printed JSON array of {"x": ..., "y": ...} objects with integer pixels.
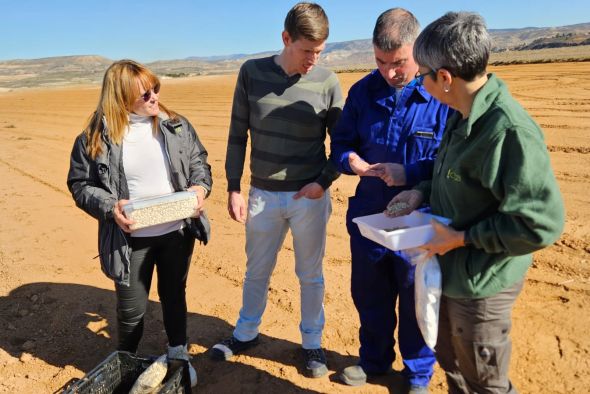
[
  {"x": 148, "y": 94},
  {"x": 419, "y": 78}
]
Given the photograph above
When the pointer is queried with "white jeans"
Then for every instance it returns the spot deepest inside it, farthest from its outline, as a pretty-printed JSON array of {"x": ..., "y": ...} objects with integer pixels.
[{"x": 270, "y": 215}]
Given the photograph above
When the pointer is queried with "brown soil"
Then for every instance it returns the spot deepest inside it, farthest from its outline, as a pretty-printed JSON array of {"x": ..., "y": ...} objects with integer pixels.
[{"x": 57, "y": 309}]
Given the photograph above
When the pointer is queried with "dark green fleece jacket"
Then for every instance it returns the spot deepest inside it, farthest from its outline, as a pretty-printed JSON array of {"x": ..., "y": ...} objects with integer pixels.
[{"x": 493, "y": 179}]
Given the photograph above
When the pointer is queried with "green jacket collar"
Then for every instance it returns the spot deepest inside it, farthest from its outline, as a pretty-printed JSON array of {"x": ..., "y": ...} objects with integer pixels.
[{"x": 484, "y": 99}]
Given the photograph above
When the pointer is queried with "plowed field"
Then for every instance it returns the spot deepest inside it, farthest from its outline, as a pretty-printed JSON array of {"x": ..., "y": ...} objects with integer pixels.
[{"x": 57, "y": 310}]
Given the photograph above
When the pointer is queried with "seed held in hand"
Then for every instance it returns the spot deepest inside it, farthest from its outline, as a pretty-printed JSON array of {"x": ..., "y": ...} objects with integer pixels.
[{"x": 396, "y": 207}]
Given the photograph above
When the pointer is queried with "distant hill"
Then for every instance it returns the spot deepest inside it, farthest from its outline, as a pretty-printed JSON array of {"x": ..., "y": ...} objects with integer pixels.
[
  {"x": 52, "y": 71},
  {"x": 559, "y": 40},
  {"x": 528, "y": 44},
  {"x": 519, "y": 39},
  {"x": 360, "y": 52}
]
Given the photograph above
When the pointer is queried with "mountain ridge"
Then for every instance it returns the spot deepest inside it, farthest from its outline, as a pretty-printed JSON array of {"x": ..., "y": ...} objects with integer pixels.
[{"x": 509, "y": 46}]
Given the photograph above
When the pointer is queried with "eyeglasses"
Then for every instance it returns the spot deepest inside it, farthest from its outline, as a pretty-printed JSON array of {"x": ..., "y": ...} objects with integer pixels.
[
  {"x": 148, "y": 94},
  {"x": 419, "y": 78}
]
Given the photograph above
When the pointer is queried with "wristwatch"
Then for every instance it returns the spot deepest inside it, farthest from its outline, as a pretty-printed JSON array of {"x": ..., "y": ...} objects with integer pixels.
[{"x": 466, "y": 238}]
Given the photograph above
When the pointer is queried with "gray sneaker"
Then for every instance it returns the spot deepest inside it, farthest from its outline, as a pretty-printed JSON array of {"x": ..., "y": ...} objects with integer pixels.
[
  {"x": 180, "y": 352},
  {"x": 353, "y": 375},
  {"x": 315, "y": 362}
]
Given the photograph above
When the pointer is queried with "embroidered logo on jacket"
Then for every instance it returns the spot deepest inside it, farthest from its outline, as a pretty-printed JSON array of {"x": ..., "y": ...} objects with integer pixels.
[{"x": 452, "y": 175}]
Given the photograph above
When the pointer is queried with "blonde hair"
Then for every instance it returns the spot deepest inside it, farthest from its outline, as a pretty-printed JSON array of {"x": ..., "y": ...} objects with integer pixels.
[{"x": 119, "y": 92}]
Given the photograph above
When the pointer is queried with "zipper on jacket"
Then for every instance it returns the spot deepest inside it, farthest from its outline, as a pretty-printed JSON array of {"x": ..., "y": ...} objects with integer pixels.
[{"x": 173, "y": 178}]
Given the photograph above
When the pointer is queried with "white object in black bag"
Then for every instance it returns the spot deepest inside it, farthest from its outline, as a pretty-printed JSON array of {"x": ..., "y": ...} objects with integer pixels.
[{"x": 152, "y": 377}]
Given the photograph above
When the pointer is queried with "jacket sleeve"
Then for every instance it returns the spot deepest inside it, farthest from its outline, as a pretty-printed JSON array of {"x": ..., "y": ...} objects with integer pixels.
[
  {"x": 330, "y": 173},
  {"x": 530, "y": 214},
  {"x": 425, "y": 188},
  {"x": 199, "y": 169},
  {"x": 344, "y": 138},
  {"x": 84, "y": 184},
  {"x": 238, "y": 133}
]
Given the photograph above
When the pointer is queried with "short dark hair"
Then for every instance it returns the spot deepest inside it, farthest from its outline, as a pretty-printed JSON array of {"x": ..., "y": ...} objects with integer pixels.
[
  {"x": 307, "y": 20},
  {"x": 394, "y": 28},
  {"x": 458, "y": 42}
]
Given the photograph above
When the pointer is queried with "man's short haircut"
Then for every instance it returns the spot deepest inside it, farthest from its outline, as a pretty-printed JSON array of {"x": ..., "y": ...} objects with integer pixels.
[
  {"x": 307, "y": 20},
  {"x": 458, "y": 42},
  {"x": 395, "y": 28}
]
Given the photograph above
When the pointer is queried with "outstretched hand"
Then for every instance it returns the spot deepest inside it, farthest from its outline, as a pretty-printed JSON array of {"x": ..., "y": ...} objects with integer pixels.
[
  {"x": 393, "y": 174},
  {"x": 360, "y": 167}
]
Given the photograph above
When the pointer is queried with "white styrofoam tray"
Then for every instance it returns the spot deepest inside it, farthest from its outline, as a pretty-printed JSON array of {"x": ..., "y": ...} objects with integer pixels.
[{"x": 415, "y": 229}]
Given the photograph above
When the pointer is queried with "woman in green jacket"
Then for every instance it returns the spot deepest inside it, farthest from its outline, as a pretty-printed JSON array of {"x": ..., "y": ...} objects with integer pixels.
[{"x": 494, "y": 180}]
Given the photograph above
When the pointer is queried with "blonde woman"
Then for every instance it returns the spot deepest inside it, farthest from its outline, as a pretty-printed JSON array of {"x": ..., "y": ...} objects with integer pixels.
[{"x": 134, "y": 147}]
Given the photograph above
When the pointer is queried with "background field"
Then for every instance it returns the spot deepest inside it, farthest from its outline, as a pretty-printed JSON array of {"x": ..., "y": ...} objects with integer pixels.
[{"x": 57, "y": 317}]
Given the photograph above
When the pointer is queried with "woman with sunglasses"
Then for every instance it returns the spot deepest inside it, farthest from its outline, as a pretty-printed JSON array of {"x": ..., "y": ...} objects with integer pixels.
[
  {"x": 493, "y": 179},
  {"x": 134, "y": 147}
]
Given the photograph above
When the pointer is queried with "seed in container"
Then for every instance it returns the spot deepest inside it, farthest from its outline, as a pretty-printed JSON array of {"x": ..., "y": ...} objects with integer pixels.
[
  {"x": 390, "y": 229},
  {"x": 394, "y": 208},
  {"x": 162, "y": 209}
]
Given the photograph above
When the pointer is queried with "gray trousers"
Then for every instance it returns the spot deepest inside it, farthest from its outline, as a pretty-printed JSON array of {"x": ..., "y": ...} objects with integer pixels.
[{"x": 474, "y": 343}]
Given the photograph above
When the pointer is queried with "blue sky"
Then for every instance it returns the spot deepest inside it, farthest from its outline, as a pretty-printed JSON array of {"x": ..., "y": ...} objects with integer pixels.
[{"x": 150, "y": 30}]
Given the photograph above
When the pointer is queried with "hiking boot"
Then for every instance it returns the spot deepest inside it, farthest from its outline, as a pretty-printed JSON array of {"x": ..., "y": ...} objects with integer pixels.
[
  {"x": 228, "y": 348},
  {"x": 180, "y": 352},
  {"x": 353, "y": 375},
  {"x": 315, "y": 362}
]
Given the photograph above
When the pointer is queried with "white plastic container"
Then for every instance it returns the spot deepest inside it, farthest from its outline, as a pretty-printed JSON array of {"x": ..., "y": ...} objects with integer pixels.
[
  {"x": 162, "y": 209},
  {"x": 403, "y": 232}
]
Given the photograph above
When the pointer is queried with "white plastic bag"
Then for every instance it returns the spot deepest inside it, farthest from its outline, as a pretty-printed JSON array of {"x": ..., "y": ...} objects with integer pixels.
[{"x": 427, "y": 293}]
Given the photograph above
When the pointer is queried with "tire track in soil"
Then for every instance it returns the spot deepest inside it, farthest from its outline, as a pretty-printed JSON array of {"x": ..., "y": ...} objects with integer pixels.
[
  {"x": 573, "y": 243},
  {"x": 567, "y": 177},
  {"x": 569, "y": 149},
  {"x": 32, "y": 135},
  {"x": 35, "y": 178}
]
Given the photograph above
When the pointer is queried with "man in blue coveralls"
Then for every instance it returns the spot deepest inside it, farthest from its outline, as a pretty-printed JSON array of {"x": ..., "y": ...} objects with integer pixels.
[{"x": 388, "y": 134}]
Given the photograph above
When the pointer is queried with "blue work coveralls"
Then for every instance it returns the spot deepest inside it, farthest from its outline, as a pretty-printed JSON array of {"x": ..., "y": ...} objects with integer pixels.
[{"x": 381, "y": 129}]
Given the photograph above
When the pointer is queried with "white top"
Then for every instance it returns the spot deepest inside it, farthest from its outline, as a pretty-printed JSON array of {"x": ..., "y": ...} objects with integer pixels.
[{"x": 146, "y": 167}]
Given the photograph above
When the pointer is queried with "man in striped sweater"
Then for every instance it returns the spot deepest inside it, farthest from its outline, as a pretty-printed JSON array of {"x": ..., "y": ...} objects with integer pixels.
[{"x": 288, "y": 104}]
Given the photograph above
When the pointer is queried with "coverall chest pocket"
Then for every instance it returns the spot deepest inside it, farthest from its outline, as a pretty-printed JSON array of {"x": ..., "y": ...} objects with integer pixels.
[
  {"x": 422, "y": 143},
  {"x": 378, "y": 132}
]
